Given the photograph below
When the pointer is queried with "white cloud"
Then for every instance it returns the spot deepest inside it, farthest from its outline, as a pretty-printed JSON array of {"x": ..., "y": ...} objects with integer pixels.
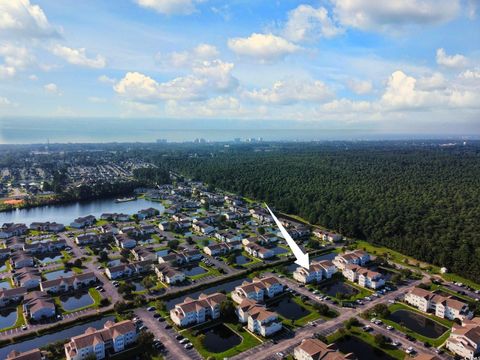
[
  {"x": 433, "y": 82},
  {"x": 291, "y": 91},
  {"x": 4, "y": 102},
  {"x": 206, "y": 51},
  {"x": 308, "y": 23},
  {"x": 263, "y": 47},
  {"x": 7, "y": 72},
  {"x": 51, "y": 88},
  {"x": 188, "y": 58},
  {"x": 451, "y": 61},
  {"x": 401, "y": 92},
  {"x": 106, "y": 80},
  {"x": 78, "y": 57},
  {"x": 470, "y": 74},
  {"x": 207, "y": 77},
  {"x": 170, "y": 7},
  {"x": 21, "y": 18},
  {"x": 15, "y": 56},
  {"x": 389, "y": 15},
  {"x": 33, "y": 77},
  {"x": 360, "y": 87}
]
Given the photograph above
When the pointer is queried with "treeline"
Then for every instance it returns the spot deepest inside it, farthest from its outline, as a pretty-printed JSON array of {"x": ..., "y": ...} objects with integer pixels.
[{"x": 421, "y": 201}]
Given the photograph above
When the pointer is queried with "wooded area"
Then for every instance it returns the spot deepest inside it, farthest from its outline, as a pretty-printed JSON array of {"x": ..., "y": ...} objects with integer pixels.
[{"x": 420, "y": 200}]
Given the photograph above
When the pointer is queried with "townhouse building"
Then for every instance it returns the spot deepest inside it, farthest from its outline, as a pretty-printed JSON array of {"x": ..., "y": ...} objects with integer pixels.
[
  {"x": 464, "y": 340},
  {"x": 168, "y": 274},
  {"x": 83, "y": 222},
  {"x": 114, "y": 337},
  {"x": 257, "y": 290},
  {"x": 191, "y": 311},
  {"x": 222, "y": 248},
  {"x": 12, "y": 296},
  {"x": 357, "y": 257},
  {"x": 441, "y": 306},
  {"x": 34, "y": 354},
  {"x": 64, "y": 284},
  {"x": 38, "y": 305},
  {"x": 317, "y": 272},
  {"x": 27, "y": 277}
]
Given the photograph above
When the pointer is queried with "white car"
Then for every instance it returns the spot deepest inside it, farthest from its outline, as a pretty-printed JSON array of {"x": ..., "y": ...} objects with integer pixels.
[{"x": 389, "y": 327}]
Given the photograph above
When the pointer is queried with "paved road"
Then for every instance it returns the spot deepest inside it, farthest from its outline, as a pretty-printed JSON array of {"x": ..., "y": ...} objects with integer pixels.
[{"x": 176, "y": 351}]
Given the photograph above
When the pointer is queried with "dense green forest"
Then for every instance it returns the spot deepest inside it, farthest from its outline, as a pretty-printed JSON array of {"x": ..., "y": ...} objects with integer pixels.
[{"x": 420, "y": 200}]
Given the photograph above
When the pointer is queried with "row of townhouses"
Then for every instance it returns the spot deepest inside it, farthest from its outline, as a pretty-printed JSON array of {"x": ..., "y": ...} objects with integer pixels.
[{"x": 441, "y": 306}]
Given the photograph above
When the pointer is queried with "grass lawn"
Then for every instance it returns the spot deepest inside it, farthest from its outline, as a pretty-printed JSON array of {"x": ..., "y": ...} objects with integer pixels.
[
  {"x": 369, "y": 339},
  {"x": 66, "y": 256},
  {"x": 434, "y": 342},
  {"x": 248, "y": 341},
  {"x": 20, "y": 320}
]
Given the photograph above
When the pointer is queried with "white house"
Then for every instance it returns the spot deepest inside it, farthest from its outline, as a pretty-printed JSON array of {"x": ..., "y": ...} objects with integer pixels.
[
  {"x": 38, "y": 305},
  {"x": 168, "y": 274},
  {"x": 318, "y": 270},
  {"x": 357, "y": 257},
  {"x": 257, "y": 290},
  {"x": 190, "y": 311},
  {"x": 262, "y": 321},
  {"x": 464, "y": 339},
  {"x": 441, "y": 306},
  {"x": 114, "y": 336}
]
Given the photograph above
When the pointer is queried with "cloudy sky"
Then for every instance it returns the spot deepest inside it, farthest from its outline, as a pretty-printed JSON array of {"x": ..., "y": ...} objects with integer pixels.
[{"x": 394, "y": 65}]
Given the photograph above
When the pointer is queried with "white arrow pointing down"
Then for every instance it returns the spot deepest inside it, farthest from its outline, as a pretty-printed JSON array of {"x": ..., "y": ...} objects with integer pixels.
[{"x": 302, "y": 259}]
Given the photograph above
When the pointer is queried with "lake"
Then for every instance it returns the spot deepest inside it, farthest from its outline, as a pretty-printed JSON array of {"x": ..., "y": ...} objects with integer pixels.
[
  {"x": 220, "y": 338},
  {"x": 288, "y": 308},
  {"x": 52, "y": 275},
  {"x": 77, "y": 301},
  {"x": 43, "y": 340},
  {"x": 418, "y": 323},
  {"x": 241, "y": 259},
  {"x": 66, "y": 213},
  {"x": 8, "y": 317},
  {"x": 363, "y": 351}
]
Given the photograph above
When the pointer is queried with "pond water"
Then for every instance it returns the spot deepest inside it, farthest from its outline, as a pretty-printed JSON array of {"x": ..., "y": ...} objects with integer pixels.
[
  {"x": 50, "y": 258},
  {"x": 279, "y": 250},
  {"x": 66, "y": 213},
  {"x": 115, "y": 262},
  {"x": 228, "y": 286},
  {"x": 138, "y": 286},
  {"x": 332, "y": 289},
  {"x": 418, "y": 323},
  {"x": 240, "y": 260},
  {"x": 3, "y": 267},
  {"x": 56, "y": 274},
  {"x": 193, "y": 270},
  {"x": 361, "y": 349},
  {"x": 39, "y": 341},
  {"x": 76, "y": 301},
  {"x": 288, "y": 308},
  {"x": 8, "y": 317},
  {"x": 220, "y": 338},
  {"x": 5, "y": 284}
]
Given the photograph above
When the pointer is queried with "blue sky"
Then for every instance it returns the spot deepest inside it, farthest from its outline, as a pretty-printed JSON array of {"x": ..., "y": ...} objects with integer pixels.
[{"x": 393, "y": 65}]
